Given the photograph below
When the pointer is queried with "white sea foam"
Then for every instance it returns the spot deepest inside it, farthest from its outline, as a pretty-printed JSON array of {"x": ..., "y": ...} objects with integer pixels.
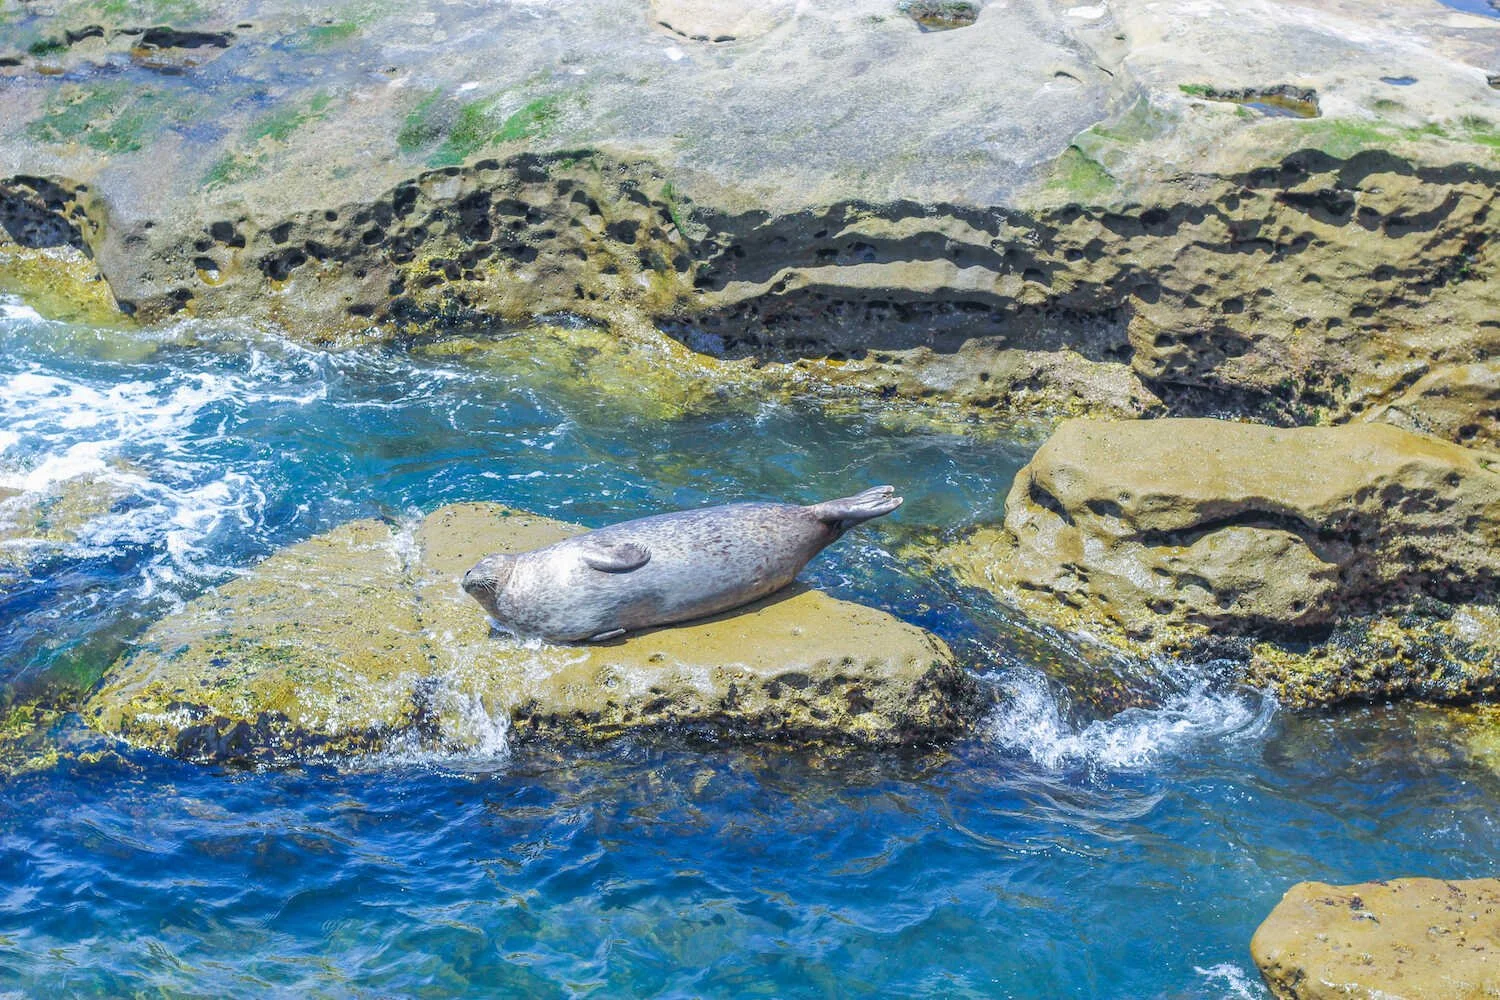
[
  {"x": 13, "y": 308},
  {"x": 474, "y": 739},
  {"x": 137, "y": 448},
  {"x": 1231, "y": 982},
  {"x": 1029, "y": 720}
]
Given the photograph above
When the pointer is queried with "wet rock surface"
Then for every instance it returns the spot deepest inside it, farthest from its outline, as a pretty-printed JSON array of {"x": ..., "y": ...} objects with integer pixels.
[
  {"x": 1415, "y": 938},
  {"x": 1334, "y": 563},
  {"x": 1108, "y": 195},
  {"x": 360, "y": 640}
]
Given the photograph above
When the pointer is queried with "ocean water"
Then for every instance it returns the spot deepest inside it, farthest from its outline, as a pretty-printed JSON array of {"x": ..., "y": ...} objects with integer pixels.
[{"x": 1065, "y": 849}]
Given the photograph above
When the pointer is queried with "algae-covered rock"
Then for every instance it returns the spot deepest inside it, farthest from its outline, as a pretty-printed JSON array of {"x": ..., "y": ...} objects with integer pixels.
[
  {"x": 1408, "y": 938},
  {"x": 36, "y": 523},
  {"x": 632, "y": 370},
  {"x": 361, "y": 639},
  {"x": 59, "y": 283},
  {"x": 1163, "y": 535}
]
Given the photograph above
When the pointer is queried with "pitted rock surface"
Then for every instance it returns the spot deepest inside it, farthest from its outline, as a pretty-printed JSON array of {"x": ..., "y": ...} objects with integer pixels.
[
  {"x": 360, "y": 639},
  {"x": 1098, "y": 214},
  {"x": 1165, "y": 535}
]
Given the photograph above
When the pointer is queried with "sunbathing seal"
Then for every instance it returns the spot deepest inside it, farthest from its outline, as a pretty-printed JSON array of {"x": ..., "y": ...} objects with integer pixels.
[{"x": 662, "y": 569}]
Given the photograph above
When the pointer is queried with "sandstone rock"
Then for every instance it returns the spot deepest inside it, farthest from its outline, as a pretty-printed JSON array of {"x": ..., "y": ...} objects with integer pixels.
[
  {"x": 361, "y": 639},
  {"x": 1159, "y": 535},
  {"x": 1409, "y": 938},
  {"x": 1097, "y": 180},
  {"x": 1459, "y": 403},
  {"x": 635, "y": 372},
  {"x": 720, "y": 21}
]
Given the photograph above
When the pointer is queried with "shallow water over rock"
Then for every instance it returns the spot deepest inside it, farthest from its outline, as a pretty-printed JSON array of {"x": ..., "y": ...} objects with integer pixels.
[{"x": 1066, "y": 847}]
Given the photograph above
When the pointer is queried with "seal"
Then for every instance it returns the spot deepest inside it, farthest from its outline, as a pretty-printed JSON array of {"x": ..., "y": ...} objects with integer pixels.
[{"x": 662, "y": 569}]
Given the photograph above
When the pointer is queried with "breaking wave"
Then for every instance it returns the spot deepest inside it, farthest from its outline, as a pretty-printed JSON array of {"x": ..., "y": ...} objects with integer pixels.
[{"x": 1030, "y": 720}]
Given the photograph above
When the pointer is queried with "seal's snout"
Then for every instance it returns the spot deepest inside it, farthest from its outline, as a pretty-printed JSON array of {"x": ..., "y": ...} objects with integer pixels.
[{"x": 485, "y": 579}]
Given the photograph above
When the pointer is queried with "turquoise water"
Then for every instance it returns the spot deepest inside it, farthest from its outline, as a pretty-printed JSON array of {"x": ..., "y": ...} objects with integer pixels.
[{"x": 1061, "y": 851}]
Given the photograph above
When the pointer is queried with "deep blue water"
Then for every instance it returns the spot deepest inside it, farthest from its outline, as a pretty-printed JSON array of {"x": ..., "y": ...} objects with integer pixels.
[
  {"x": 1059, "y": 852},
  {"x": 1485, "y": 8}
]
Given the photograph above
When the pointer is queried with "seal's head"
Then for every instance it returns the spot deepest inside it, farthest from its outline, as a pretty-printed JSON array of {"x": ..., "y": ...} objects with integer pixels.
[{"x": 487, "y": 578}]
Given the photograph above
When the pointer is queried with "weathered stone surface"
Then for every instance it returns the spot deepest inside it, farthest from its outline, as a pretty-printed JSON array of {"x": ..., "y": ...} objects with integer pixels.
[
  {"x": 1097, "y": 182},
  {"x": 1408, "y": 938},
  {"x": 1161, "y": 535},
  {"x": 634, "y": 371},
  {"x": 1460, "y": 403},
  {"x": 361, "y": 639}
]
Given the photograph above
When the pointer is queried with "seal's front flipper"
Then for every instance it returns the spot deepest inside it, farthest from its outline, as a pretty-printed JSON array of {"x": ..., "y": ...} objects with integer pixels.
[
  {"x": 615, "y": 557},
  {"x": 846, "y": 512},
  {"x": 613, "y": 633}
]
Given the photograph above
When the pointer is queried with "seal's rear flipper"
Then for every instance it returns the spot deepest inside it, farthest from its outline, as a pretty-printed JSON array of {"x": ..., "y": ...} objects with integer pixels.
[
  {"x": 615, "y": 557},
  {"x": 846, "y": 512}
]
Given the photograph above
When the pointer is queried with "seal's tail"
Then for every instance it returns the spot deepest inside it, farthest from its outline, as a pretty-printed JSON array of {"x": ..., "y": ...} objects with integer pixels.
[{"x": 846, "y": 512}]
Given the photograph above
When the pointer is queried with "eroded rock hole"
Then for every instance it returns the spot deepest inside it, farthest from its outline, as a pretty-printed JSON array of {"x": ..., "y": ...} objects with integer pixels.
[{"x": 941, "y": 15}]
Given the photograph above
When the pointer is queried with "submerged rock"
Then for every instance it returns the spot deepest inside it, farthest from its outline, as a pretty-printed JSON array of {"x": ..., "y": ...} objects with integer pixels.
[
  {"x": 360, "y": 639},
  {"x": 1353, "y": 561},
  {"x": 1412, "y": 938},
  {"x": 35, "y": 524}
]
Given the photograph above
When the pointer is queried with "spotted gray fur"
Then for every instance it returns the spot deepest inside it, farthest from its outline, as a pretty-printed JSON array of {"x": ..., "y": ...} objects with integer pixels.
[{"x": 662, "y": 569}]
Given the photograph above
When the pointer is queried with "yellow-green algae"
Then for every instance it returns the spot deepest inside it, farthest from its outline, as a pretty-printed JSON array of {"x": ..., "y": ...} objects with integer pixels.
[
  {"x": 60, "y": 283},
  {"x": 361, "y": 638}
]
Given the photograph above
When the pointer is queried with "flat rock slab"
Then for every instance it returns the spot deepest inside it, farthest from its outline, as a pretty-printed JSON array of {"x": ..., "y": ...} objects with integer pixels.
[
  {"x": 361, "y": 639},
  {"x": 1406, "y": 939}
]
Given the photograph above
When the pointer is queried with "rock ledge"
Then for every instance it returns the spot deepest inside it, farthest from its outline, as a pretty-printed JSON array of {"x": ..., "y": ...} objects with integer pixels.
[{"x": 360, "y": 639}]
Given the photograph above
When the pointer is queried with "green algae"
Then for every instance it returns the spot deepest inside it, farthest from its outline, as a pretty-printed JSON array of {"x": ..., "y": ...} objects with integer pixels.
[
  {"x": 322, "y": 35},
  {"x": 231, "y": 168},
  {"x": 422, "y": 126},
  {"x": 471, "y": 132},
  {"x": 275, "y": 127},
  {"x": 280, "y": 124},
  {"x": 1080, "y": 177},
  {"x": 115, "y": 117},
  {"x": 1081, "y": 173},
  {"x": 459, "y": 130},
  {"x": 674, "y": 201},
  {"x": 1344, "y": 137},
  {"x": 1141, "y": 123},
  {"x": 339, "y": 26},
  {"x": 152, "y": 11},
  {"x": 532, "y": 121}
]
